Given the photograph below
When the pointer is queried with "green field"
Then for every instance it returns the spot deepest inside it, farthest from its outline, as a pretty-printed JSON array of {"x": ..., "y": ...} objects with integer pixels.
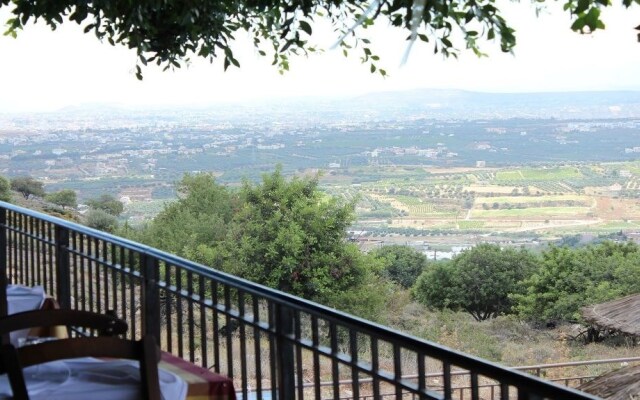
[
  {"x": 532, "y": 199},
  {"x": 470, "y": 224},
  {"x": 539, "y": 174},
  {"x": 531, "y": 212}
]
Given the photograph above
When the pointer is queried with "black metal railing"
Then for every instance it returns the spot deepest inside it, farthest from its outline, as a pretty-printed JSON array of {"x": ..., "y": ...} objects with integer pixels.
[{"x": 270, "y": 343}]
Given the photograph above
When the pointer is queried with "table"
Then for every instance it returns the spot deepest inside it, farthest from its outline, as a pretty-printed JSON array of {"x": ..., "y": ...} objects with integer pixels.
[
  {"x": 23, "y": 298},
  {"x": 202, "y": 383},
  {"x": 92, "y": 378}
]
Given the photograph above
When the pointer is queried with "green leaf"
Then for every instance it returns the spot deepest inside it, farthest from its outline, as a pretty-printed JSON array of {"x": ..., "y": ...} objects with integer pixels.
[
  {"x": 582, "y": 6},
  {"x": 304, "y": 25}
]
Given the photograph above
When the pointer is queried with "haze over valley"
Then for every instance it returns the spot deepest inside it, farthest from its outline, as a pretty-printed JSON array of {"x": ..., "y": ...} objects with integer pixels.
[{"x": 523, "y": 168}]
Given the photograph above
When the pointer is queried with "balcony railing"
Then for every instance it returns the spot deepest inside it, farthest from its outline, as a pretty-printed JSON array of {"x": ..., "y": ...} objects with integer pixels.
[{"x": 270, "y": 343}]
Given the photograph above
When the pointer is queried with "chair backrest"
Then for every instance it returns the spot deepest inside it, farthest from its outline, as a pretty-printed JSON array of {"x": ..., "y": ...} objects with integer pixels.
[
  {"x": 105, "y": 325},
  {"x": 145, "y": 351}
]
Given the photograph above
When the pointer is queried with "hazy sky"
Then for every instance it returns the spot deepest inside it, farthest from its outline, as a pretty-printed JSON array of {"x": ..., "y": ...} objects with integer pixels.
[{"x": 45, "y": 70}]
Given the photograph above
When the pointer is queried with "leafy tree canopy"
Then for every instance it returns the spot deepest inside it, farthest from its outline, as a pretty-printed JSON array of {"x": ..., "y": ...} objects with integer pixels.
[
  {"x": 402, "y": 264},
  {"x": 5, "y": 189},
  {"x": 170, "y": 32},
  {"x": 290, "y": 236},
  {"x": 107, "y": 203},
  {"x": 570, "y": 279},
  {"x": 101, "y": 220},
  {"x": 192, "y": 226},
  {"x": 27, "y": 186},
  {"x": 478, "y": 281},
  {"x": 63, "y": 198}
]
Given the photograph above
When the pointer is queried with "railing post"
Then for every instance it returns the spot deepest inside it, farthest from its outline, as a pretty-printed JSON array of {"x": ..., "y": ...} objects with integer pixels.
[
  {"x": 150, "y": 296},
  {"x": 284, "y": 348},
  {"x": 4, "y": 267},
  {"x": 63, "y": 274}
]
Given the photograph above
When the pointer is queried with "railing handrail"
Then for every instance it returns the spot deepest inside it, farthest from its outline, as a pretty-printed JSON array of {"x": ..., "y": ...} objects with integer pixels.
[
  {"x": 518, "y": 368},
  {"x": 380, "y": 332}
]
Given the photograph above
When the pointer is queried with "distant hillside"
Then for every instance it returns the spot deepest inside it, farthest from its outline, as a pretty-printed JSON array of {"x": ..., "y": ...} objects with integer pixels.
[{"x": 472, "y": 105}]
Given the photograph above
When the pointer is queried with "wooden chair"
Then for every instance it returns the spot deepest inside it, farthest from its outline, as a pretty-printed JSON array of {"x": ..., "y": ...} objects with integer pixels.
[
  {"x": 145, "y": 351},
  {"x": 104, "y": 325}
]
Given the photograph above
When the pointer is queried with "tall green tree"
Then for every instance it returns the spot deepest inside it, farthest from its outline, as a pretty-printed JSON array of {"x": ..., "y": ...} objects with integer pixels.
[
  {"x": 63, "y": 198},
  {"x": 107, "y": 203},
  {"x": 570, "y": 279},
  {"x": 290, "y": 236},
  {"x": 479, "y": 281},
  {"x": 196, "y": 224},
  {"x": 171, "y": 31},
  {"x": 402, "y": 264},
  {"x": 5, "y": 189},
  {"x": 28, "y": 186}
]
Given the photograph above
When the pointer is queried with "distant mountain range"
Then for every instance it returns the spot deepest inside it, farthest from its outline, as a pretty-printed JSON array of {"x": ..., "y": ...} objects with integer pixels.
[
  {"x": 418, "y": 103},
  {"x": 472, "y": 105}
]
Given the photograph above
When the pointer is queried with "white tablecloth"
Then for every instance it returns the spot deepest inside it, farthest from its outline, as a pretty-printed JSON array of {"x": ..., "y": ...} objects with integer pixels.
[
  {"x": 22, "y": 298},
  {"x": 94, "y": 379}
]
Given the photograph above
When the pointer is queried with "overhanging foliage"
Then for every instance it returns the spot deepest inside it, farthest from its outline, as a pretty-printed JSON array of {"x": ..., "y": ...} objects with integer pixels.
[{"x": 170, "y": 32}]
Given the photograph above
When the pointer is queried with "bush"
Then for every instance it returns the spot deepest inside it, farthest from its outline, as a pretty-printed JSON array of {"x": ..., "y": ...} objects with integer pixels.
[
  {"x": 479, "y": 281},
  {"x": 101, "y": 220}
]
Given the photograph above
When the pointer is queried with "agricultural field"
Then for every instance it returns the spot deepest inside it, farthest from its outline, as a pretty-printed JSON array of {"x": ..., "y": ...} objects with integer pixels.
[
  {"x": 531, "y": 202},
  {"x": 538, "y": 174},
  {"x": 533, "y": 213}
]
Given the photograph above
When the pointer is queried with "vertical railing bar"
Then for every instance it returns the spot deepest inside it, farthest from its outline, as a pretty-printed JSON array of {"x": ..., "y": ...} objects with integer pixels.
[
  {"x": 31, "y": 254},
  {"x": 46, "y": 256},
  {"x": 98, "y": 269},
  {"x": 335, "y": 371},
  {"x": 24, "y": 272},
  {"x": 422, "y": 372},
  {"x": 298, "y": 360},
  {"x": 106, "y": 269},
  {"x": 74, "y": 269},
  {"x": 203, "y": 324},
  {"x": 179, "y": 322},
  {"x": 90, "y": 279},
  {"x": 256, "y": 344},
  {"x": 114, "y": 278},
  {"x": 4, "y": 268},
  {"x": 355, "y": 375},
  {"x": 150, "y": 296},
  {"x": 504, "y": 391},
  {"x": 25, "y": 249},
  {"x": 243, "y": 345},
  {"x": 285, "y": 353},
  {"x": 14, "y": 249},
  {"x": 52, "y": 257},
  {"x": 375, "y": 366},
  {"x": 192, "y": 343},
  {"x": 132, "y": 295},
  {"x": 446, "y": 379},
  {"x": 272, "y": 350},
  {"x": 168, "y": 305},
  {"x": 397, "y": 368},
  {"x": 39, "y": 252},
  {"x": 227, "y": 329},
  {"x": 83, "y": 272},
  {"x": 315, "y": 338},
  {"x": 63, "y": 279},
  {"x": 216, "y": 339},
  {"x": 123, "y": 285},
  {"x": 474, "y": 386}
]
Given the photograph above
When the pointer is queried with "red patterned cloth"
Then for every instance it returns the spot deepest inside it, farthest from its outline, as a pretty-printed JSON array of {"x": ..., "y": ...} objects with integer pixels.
[{"x": 203, "y": 384}]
